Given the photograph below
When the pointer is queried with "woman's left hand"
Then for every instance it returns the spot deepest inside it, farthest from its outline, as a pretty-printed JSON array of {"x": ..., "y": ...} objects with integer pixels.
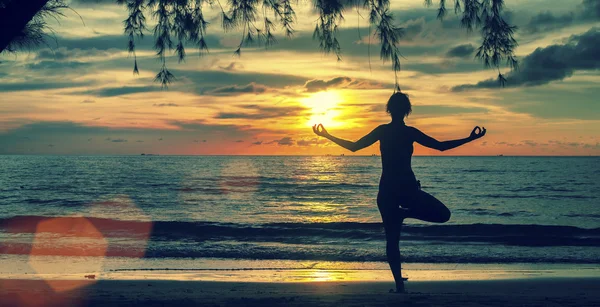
[
  {"x": 320, "y": 130},
  {"x": 477, "y": 133}
]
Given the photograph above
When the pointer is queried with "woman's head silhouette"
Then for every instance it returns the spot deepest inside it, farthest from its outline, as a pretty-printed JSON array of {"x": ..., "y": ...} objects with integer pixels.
[{"x": 399, "y": 106}]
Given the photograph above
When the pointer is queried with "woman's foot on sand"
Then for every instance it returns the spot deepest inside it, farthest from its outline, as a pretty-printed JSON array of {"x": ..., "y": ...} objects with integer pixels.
[
  {"x": 400, "y": 287},
  {"x": 398, "y": 290}
]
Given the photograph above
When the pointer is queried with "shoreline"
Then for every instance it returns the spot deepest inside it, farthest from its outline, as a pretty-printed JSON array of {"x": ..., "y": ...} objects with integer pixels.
[
  {"x": 525, "y": 284},
  {"x": 565, "y": 291},
  {"x": 26, "y": 267},
  {"x": 282, "y": 275}
]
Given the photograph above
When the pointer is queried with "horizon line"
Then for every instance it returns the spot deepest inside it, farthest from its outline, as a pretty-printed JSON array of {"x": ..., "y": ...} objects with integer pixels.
[{"x": 254, "y": 155}]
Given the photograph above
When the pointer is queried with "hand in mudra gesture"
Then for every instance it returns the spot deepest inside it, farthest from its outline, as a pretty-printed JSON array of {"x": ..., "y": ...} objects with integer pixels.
[
  {"x": 477, "y": 133},
  {"x": 320, "y": 130}
]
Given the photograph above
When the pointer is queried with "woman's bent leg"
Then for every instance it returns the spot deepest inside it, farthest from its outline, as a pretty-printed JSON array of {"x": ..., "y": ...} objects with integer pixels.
[{"x": 427, "y": 208}]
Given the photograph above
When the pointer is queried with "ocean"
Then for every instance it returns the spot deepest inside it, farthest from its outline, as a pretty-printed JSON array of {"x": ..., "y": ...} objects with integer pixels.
[{"x": 240, "y": 212}]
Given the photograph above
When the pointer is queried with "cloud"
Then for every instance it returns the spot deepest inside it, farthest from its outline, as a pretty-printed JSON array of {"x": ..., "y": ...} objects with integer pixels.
[
  {"x": 257, "y": 143},
  {"x": 587, "y": 11},
  {"x": 49, "y": 65},
  {"x": 423, "y": 34},
  {"x": 444, "y": 110},
  {"x": 530, "y": 143},
  {"x": 553, "y": 63},
  {"x": 119, "y": 91},
  {"x": 119, "y": 140},
  {"x": 37, "y": 85},
  {"x": 94, "y": 2},
  {"x": 317, "y": 85},
  {"x": 64, "y": 54},
  {"x": 549, "y": 101},
  {"x": 239, "y": 141},
  {"x": 119, "y": 42},
  {"x": 55, "y": 132},
  {"x": 564, "y": 144},
  {"x": 233, "y": 66},
  {"x": 412, "y": 29},
  {"x": 591, "y": 9},
  {"x": 262, "y": 112},
  {"x": 200, "y": 126},
  {"x": 311, "y": 142},
  {"x": 571, "y": 144},
  {"x": 73, "y": 138},
  {"x": 225, "y": 82},
  {"x": 165, "y": 105},
  {"x": 234, "y": 90},
  {"x": 285, "y": 141},
  {"x": 461, "y": 51},
  {"x": 321, "y": 85},
  {"x": 423, "y": 110},
  {"x": 546, "y": 21},
  {"x": 88, "y": 101}
]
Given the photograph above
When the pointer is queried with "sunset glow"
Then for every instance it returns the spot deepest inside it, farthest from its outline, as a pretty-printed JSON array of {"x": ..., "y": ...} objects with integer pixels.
[
  {"x": 324, "y": 107},
  {"x": 81, "y": 97}
]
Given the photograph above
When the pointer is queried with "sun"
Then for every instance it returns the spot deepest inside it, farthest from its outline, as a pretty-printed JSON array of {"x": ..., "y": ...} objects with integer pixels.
[{"x": 324, "y": 108}]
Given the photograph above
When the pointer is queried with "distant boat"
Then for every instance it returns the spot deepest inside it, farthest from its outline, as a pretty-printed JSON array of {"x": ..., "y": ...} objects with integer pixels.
[
  {"x": 500, "y": 155},
  {"x": 342, "y": 155},
  {"x": 374, "y": 155},
  {"x": 144, "y": 154}
]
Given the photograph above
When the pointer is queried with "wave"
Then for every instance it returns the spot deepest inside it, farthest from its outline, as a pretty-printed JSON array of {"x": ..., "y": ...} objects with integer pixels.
[
  {"x": 594, "y": 216},
  {"x": 536, "y": 196},
  {"x": 347, "y": 241},
  {"x": 297, "y": 233},
  {"x": 487, "y": 212},
  {"x": 223, "y": 187},
  {"x": 503, "y": 171}
]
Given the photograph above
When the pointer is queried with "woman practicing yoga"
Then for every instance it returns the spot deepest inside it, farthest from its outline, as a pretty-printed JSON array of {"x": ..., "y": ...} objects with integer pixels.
[{"x": 400, "y": 195}]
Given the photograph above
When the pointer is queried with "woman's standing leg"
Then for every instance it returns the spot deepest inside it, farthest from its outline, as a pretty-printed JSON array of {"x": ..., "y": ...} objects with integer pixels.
[{"x": 392, "y": 222}]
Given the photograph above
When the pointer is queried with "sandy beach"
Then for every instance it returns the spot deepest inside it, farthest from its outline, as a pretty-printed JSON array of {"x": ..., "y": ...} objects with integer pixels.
[{"x": 511, "y": 292}]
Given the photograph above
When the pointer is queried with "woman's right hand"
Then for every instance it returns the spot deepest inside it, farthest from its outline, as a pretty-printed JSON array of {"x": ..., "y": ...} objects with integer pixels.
[
  {"x": 322, "y": 132},
  {"x": 475, "y": 134}
]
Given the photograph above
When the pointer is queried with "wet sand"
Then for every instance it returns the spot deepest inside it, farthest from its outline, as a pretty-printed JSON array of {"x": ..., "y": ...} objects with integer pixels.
[{"x": 510, "y": 292}]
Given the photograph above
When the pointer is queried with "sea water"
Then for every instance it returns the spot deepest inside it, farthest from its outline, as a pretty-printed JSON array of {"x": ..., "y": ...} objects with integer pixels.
[{"x": 312, "y": 209}]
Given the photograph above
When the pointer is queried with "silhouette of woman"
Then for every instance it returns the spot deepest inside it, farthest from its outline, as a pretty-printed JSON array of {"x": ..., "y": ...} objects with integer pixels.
[{"x": 400, "y": 195}]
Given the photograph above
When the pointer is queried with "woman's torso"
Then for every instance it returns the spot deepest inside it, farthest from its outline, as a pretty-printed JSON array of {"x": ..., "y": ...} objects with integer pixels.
[{"x": 396, "y": 146}]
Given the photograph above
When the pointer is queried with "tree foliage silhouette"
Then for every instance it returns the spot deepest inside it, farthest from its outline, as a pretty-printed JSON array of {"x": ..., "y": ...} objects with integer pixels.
[
  {"x": 181, "y": 22},
  {"x": 23, "y": 23}
]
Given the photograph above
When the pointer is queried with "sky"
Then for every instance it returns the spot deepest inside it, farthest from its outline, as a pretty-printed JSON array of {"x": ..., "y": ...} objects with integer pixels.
[{"x": 78, "y": 95}]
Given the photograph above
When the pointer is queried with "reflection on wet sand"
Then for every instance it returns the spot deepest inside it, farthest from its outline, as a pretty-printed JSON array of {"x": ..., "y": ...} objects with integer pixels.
[{"x": 51, "y": 243}]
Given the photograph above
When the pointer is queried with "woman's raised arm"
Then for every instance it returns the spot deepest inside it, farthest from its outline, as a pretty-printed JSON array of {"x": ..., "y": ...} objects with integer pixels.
[
  {"x": 364, "y": 142},
  {"x": 430, "y": 142}
]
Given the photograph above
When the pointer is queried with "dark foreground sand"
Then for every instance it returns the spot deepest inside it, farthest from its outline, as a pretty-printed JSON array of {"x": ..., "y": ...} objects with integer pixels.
[{"x": 515, "y": 292}]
